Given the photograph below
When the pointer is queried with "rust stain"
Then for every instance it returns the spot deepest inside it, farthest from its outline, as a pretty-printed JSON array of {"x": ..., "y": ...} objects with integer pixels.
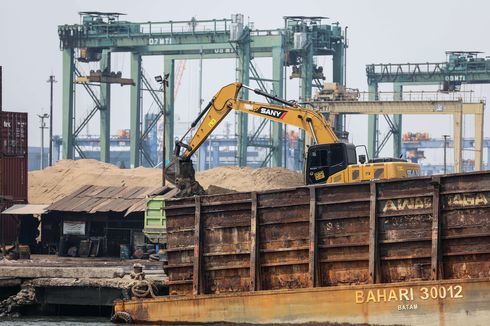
[
  {"x": 322, "y": 248},
  {"x": 284, "y": 242},
  {"x": 442, "y": 319},
  {"x": 326, "y": 305}
]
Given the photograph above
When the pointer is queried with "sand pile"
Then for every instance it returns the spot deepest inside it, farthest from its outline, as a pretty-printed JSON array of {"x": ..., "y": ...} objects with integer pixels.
[
  {"x": 248, "y": 179},
  {"x": 66, "y": 176}
]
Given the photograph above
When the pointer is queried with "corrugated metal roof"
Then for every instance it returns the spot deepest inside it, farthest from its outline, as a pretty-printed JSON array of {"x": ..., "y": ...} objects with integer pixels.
[
  {"x": 25, "y": 209},
  {"x": 141, "y": 205},
  {"x": 94, "y": 199}
]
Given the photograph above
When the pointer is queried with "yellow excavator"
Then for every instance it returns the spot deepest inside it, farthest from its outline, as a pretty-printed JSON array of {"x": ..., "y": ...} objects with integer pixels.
[{"x": 328, "y": 160}]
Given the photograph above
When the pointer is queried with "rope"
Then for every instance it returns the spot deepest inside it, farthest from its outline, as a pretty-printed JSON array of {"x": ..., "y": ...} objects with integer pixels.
[{"x": 143, "y": 288}]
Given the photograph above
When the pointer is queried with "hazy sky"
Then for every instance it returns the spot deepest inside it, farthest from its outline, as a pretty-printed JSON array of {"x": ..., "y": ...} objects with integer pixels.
[{"x": 379, "y": 32}]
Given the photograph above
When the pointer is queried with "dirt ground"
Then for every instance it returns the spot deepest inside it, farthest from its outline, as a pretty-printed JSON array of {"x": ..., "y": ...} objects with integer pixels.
[{"x": 66, "y": 176}]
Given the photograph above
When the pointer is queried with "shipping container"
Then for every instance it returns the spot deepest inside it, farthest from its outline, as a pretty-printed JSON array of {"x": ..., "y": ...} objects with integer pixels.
[
  {"x": 8, "y": 225},
  {"x": 13, "y": 177},
  {"x": 13, "y": 134},
  {"x": 13, "y": 156}
]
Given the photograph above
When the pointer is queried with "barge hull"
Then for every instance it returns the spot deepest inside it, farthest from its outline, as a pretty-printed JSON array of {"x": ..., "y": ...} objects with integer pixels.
[
  {"x": 303, "y": 254},
  {"x": 429, "y": 303}
]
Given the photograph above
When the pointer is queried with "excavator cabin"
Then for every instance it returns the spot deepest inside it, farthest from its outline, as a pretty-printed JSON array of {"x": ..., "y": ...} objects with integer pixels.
[{"x": 337, "y": 163}]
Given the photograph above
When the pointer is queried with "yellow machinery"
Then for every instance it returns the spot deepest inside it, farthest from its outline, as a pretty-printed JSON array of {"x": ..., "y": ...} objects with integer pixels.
[{"x": 328, "y": 160}]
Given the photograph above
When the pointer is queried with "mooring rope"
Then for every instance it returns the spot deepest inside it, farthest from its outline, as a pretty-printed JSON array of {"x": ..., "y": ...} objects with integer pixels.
[{"x": 142, "y": 287}]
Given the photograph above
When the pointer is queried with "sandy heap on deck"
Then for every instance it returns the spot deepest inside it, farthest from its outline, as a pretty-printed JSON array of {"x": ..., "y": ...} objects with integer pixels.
[
  {"x": 248, "y": 179},
  {"x": 66, "y": 176}
]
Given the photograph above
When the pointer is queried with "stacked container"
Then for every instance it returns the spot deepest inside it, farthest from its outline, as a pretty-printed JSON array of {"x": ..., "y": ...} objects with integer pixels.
[{"x": 13, "y": 169}]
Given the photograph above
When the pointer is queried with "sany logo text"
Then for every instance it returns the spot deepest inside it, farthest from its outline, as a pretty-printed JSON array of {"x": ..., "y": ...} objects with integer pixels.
[{"x": 275, "y": 113}]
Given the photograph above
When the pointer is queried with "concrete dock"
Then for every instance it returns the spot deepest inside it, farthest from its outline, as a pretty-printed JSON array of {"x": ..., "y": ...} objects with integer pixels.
[{"x": 44, "y": 283}]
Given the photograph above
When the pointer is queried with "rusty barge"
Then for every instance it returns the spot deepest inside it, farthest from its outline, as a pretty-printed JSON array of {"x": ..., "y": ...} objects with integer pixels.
[{"x": 399, "y": 252}]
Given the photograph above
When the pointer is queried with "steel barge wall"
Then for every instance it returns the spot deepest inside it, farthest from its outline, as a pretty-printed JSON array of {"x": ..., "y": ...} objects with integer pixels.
[
  {"x": 402, "y": 252},
  {"x": 408, "y": 230}
]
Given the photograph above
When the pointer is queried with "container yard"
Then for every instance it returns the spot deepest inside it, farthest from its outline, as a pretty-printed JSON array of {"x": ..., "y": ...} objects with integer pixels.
[{"x": 293, "y": 164}]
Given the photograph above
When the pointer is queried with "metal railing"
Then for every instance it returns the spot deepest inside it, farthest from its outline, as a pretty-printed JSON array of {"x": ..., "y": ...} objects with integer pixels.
[
  {"x": 406, "y": 68},
  {"x": 118, "y": 29},
  {"x": 427, "y": 69},
  {"x": 197, "y": 26},
  {"x": 265, "y": 32},
  {"x": 149, "y": 28},
  {"x": 464, "y": 96}
]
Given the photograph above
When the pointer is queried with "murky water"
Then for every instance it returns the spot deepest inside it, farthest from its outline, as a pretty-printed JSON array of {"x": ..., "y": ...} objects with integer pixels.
[
  {"x": 51, "y": 321},
  {"x": 68, "y": 321}
]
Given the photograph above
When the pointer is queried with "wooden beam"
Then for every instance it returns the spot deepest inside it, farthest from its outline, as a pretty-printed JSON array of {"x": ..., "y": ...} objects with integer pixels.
[
  {"x": 254, "y": 246},
  {"x": 436, "y": 259},
  {"x": 313, "y": 247},
  {"x": 374, "y": 265},
  {"x": 197, "y": 281}
]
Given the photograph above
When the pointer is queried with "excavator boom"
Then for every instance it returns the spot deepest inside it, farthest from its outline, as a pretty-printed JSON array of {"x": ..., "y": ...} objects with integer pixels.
[
  {"x": 329, "y": 160},
  {"x": 289, "y": 113}
]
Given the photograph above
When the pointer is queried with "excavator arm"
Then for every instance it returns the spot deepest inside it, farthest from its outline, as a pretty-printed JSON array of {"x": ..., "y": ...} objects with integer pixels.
[
  {"x": 329, "y": 161},
  {"x": 227, "y": 100}
]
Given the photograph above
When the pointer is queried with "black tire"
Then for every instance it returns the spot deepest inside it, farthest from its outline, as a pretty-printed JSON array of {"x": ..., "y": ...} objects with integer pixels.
[{"x": 121, "y": 317}]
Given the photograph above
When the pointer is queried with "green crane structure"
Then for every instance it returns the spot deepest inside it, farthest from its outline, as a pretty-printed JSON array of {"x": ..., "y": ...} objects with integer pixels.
[
  {"x": 100, "y": 34},
  {"x": 461, "y": 67}
]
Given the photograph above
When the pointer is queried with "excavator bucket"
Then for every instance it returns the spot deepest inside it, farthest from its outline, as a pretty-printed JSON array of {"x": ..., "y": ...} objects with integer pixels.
[{"x": 182, "y": 174}]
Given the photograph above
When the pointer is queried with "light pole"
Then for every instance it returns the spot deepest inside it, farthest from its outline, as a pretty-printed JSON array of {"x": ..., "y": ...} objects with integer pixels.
[
  {"x": 51, "y": 80},
  {"x": 445, "y": 151},
  {"x": 43, "y": 126},
  {"x": 164, "y": 82}
]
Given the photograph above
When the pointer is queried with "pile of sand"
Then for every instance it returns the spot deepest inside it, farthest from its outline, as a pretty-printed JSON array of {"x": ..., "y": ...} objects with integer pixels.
[
  {"x": 248, "y": 179},
  {"x": 58, "y": 181}
]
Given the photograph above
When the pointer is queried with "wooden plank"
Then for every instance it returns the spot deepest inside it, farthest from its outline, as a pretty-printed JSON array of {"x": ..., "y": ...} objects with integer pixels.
[
  {"x": 436, "y": 266},
  {"x": 197, "y": 282},
  {"x": 313, "y": 247},
  {"x": 254, "y": 246},
  {"x": 374, "y": 265}
]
